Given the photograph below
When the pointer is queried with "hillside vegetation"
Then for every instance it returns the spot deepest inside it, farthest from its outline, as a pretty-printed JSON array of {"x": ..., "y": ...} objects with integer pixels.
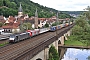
[
  {"x": 74, "y": 12},
  {"x": 81, "y": 31},
  {"x": 10, "y": 7}
]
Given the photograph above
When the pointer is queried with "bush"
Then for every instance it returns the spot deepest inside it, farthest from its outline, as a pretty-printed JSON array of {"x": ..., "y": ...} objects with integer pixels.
[
  {"x": 53, "y": 54},
  {"x": 46, "y": 25}
]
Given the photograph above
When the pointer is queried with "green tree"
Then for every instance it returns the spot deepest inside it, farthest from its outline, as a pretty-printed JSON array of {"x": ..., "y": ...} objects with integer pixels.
[
  {"x": 46, "y": 25},
  {"x": 1, "y": 3},
  {"x": 21, "y": 28},
  {"x": 81, "y": 30},
  {"x": 50, "y": 57},
  {"x": 88, "y": 57},
  {"x": 53, "y": 54},
  {"x": 89, "y": 22},
  {"x": 1, "y": 24},
  {"x": 77, "y": 30},
  {"x": 27, "y": 26},
  {"x": 81, "y": 21},
  {"x": 12, "y": 5},
  {"x": 54, "y": 24},
  {"x": 27, "y": 6},
  {"x": 87, "y": 13}
]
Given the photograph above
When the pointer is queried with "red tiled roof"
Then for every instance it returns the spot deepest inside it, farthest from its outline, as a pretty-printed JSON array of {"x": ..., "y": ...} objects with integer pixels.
[
  {"x": 16, "y": 24},
  {"x": 3, "y": 21},
  {"x": 21, "y": 18},
  {"x": 41, "y": 18},
  {"x": 67, "y": 18},
  {"x": 1, "y": 18},
  {"x": 11, "y": 19},
  {"x": 11, "y": 25}
]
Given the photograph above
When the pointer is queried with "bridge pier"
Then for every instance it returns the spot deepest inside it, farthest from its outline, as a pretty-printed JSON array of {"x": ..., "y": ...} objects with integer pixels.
[
  {"x": 69, "y": 32},
  {"x": 43, "y": 55},
  {"x": 46, "y": 53},
  {"x": 38, "y": 49},
  {"x": 63, "y": 37},
  {"x": 62, "y": 40},
  {"x": 55, "y": 44},
  {"x": 61, "y": 52},
  {"x": 39, "y": 56}
]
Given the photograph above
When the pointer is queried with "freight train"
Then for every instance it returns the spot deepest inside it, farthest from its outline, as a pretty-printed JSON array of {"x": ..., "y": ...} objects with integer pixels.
[
  {"x": 54, "y": 28},
  {"x": 30, "y": 33}
]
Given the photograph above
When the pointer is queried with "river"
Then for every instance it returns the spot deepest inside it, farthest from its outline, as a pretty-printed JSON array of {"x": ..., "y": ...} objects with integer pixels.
[{"x": 74, "y": 54}]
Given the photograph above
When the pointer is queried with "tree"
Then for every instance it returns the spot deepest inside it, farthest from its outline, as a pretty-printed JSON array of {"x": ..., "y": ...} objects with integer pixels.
[
  {"x": 87, "y": 13},
  {"x": 88, "y": 57},
  {"x": 27, "y": 26},
  {"x": 46, "y": 25},
  {"x": 77, "y": 30},
  {"x": 1, "y": 3},
  {"x": 53, "y": 53},
  {"x": 21, "y": 28},
  {"x": 27, "y": 6},
  {"x": 1, "y": 24},
  {"x": 89, "y": 22},
  {"x": 81, "y": 21},
  {"x": 81, "y": 30},
  {"x": 50, "y": 57},
  {"x": 54, "y": 24}
]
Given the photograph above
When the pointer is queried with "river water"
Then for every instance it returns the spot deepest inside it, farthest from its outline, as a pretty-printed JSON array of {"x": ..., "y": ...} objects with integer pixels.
[{"x": 74, "y": 54}]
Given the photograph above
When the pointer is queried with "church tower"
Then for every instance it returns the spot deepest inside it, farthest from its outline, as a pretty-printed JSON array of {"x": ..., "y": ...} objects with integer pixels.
[
  {"x": 36, "y": 19},
  {"x": 20, "y": 11}
]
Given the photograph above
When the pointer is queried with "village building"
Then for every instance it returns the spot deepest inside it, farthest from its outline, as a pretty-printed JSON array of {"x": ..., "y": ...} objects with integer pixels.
[
  {"x": 12, "y": 24},
  {"x": 20, "y": 11},
  {"x": 2, "y": 19}
]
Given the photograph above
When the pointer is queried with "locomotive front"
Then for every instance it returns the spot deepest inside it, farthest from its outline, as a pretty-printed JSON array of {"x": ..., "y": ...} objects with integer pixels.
[{"x": 12, "y": 39}]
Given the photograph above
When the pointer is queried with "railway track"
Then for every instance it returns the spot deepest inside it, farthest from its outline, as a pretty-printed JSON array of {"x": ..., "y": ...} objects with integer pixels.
[
  {"x": 3, "y": 41},
  {"x": 5, "y": 45},
  {"x": 13, "y": 50},
  {"x": 32, "y": 52}
]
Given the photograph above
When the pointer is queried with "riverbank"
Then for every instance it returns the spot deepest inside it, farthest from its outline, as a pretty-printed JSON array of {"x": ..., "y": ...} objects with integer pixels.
[{"x": 74, "y": 44}]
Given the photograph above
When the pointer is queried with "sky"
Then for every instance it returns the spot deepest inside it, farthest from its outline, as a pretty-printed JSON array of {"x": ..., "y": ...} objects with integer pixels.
[{"x": 65, "y": 5}]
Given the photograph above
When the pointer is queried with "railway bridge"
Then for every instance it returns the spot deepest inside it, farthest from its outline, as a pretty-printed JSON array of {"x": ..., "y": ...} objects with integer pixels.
[{"x": 36, "y": 48}]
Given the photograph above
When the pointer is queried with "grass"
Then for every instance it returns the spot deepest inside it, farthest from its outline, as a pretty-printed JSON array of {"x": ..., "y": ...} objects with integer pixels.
[
  {"x": 3, "y": 44},
  {"x": 74, "y": 43}
]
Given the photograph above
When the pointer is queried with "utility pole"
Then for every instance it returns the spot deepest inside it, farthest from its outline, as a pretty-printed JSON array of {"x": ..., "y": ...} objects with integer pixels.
[
  {"x": 56, "y": 25},
  {"x": 36, "y": 19},
  {"x": 57, "y": 18}
]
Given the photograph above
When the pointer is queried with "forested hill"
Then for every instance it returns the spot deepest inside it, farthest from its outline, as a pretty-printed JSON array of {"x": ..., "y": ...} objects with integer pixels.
[
  {"x": 73, "y": 12},
  {"x": 10, "y": 7}
]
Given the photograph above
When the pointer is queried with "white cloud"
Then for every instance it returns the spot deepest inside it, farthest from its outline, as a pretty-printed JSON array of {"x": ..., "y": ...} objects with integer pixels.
[{"x": 65, "y": 5}]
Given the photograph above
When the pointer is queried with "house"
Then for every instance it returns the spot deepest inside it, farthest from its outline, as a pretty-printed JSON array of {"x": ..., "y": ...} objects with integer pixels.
[
  {"x": 2, "y": 19},
  {"x": 11, "y": 25},
  {"x": 42, "y": 22}
]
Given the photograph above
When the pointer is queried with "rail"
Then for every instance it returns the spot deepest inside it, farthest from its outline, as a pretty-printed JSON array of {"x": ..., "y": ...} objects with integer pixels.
[
  {"x": 35, "y": 50},
  {"x": 27, "y": 52}
]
